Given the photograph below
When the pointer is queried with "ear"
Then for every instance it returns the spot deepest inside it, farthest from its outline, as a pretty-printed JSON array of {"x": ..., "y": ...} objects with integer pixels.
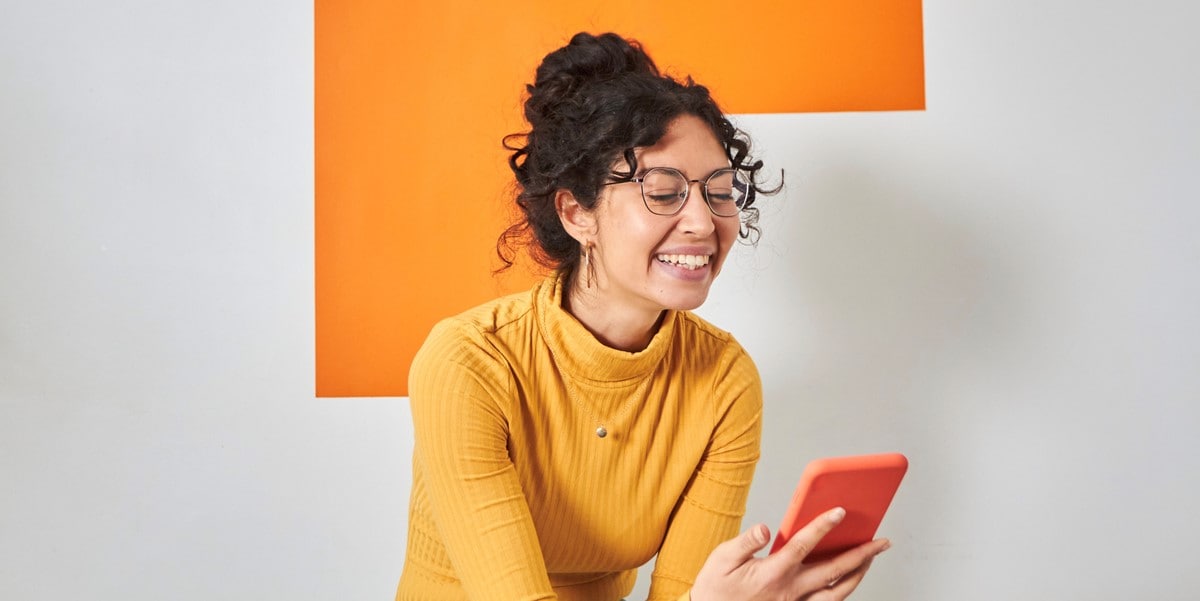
[{"x": 579, "y": 222}]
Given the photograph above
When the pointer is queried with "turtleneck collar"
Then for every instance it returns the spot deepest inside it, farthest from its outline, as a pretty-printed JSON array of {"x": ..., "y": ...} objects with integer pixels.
[{"x": 579, "y": 354}]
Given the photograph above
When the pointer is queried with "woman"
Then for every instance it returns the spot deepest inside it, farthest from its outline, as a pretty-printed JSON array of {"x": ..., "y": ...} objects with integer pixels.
[{"x": 566, "y": 435}]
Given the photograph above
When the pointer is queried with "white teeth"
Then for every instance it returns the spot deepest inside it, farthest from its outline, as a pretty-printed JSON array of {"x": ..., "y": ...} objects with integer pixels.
[{"x": 685, "y": 261}]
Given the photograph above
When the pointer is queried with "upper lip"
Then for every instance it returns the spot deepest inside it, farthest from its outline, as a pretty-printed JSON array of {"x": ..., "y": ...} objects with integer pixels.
[{"x": 686, "y": 250}]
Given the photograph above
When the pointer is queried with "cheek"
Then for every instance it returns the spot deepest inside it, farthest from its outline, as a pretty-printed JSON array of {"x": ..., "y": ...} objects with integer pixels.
[
  {"x": 629, "y": 238},
  {"x": 637, "y": 233},
  {"x": 727, "y": 233}
]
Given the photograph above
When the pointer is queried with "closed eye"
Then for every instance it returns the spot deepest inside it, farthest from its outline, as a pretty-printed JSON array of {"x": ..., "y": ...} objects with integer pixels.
[{"x": 663, "y": 197}]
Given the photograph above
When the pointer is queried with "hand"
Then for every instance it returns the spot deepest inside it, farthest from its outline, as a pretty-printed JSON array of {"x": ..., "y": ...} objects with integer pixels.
[{"x": 732, "y": 572}]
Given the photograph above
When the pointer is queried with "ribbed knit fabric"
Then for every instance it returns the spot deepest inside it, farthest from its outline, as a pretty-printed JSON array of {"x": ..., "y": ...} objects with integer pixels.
[{"x": 516, "y": 498}]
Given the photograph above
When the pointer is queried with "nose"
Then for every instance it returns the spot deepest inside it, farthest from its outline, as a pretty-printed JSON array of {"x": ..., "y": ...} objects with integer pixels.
[{"x": 695, "y": 217}]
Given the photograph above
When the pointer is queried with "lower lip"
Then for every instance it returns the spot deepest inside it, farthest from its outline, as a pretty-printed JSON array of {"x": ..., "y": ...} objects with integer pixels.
[{"x": 692, "y": 275}]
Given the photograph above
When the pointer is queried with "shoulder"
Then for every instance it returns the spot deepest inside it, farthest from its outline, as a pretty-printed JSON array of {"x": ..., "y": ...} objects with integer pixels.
[
  {"x": 489, "y": 318},
  {"x": 467, "y": 345},
  {"x": 473, "y": 326},
  {"x": 736, "y": 386},
  {"x": 714, "y": 345},
  {"x": 732, "y": 386}
]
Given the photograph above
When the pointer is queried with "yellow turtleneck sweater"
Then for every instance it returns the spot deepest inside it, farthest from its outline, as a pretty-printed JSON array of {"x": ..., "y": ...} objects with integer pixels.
[{"x": 514, "y": 495}]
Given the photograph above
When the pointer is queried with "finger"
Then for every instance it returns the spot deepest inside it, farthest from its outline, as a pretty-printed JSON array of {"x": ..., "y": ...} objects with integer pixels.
[
  {"x": 740, "y": 549},
  {"x": 839, "y": 590},
  {"x": 846, "y": 585},
  {"x": 844, "y": 572},
  {"x": 805, "y": 539}
]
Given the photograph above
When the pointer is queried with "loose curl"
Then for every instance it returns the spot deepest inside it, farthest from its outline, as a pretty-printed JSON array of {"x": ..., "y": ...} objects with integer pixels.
[{"x": 592, "y": 103}]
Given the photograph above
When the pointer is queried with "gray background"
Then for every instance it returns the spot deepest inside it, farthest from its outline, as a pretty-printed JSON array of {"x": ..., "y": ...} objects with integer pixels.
[{"x": 1004, "y": 287}]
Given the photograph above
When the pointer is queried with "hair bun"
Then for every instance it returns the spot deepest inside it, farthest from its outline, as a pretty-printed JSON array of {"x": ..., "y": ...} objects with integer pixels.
[{"x": 585, "y": 59}]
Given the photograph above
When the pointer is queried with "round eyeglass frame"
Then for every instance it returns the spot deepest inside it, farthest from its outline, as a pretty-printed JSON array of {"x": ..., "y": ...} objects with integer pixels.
[{"x": 687, "y": 191}]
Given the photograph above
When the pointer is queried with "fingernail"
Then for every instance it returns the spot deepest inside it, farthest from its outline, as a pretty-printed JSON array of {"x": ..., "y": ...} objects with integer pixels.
[
  {"x": 757, "y": 535},
  {"x": 836, "y": 515},
  {"x": 887, "y": 544}
]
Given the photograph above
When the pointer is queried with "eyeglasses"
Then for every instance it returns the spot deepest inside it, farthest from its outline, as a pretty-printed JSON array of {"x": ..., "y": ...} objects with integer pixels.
[{"x": 665, "y": 190}]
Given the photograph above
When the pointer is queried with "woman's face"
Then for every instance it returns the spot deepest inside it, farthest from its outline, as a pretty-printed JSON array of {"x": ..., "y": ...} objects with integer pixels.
[{"x": 654, "y": 262}]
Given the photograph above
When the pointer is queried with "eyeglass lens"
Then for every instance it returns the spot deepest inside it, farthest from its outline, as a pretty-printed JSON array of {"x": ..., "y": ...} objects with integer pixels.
[{"x": 665, "y": 191}]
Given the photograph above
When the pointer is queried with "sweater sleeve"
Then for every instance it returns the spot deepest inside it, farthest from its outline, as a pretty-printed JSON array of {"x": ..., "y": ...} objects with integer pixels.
[
  {"x": 458, "y": 391},
  {"x": 711, "y": 509}
]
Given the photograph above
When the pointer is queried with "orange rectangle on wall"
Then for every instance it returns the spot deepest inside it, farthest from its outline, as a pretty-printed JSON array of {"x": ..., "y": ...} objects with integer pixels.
[{"x": 412, "y": 184}]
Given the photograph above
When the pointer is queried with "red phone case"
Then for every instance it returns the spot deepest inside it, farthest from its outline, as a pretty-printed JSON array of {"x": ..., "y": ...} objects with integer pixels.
[{"x": 863, "y": 485}]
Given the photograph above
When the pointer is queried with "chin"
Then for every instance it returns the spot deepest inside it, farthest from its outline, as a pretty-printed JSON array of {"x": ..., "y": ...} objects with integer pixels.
[{"x": 685, "y": 302}]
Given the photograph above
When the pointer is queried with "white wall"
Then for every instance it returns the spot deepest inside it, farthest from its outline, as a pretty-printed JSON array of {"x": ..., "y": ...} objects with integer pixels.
[
  {"x": 159, "y": 438},
  {"x": 1003, "y": 286}
]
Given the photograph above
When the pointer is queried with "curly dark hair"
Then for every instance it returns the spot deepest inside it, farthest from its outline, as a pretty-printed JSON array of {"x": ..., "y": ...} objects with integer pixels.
[{"x": 593, "y": 102}]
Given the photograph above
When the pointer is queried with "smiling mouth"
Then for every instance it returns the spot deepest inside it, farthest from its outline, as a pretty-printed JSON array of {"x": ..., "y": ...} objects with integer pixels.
[{"x": 685, "y": 261}]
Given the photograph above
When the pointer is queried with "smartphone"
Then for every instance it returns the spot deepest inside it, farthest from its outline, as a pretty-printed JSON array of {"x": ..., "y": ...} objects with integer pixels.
[{"x": 863, "y": 485}]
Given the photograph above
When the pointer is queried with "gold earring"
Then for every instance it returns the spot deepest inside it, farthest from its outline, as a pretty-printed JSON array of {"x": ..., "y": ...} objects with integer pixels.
[{"x": 587, "y": 265}]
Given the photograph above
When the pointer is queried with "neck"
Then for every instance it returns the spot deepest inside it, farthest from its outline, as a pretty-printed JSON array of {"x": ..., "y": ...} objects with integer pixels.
[{"x": 624, "y": 328}]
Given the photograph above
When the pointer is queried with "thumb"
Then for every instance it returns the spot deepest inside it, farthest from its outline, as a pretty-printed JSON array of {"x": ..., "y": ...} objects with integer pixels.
[{"x": 737, "y": 551}]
